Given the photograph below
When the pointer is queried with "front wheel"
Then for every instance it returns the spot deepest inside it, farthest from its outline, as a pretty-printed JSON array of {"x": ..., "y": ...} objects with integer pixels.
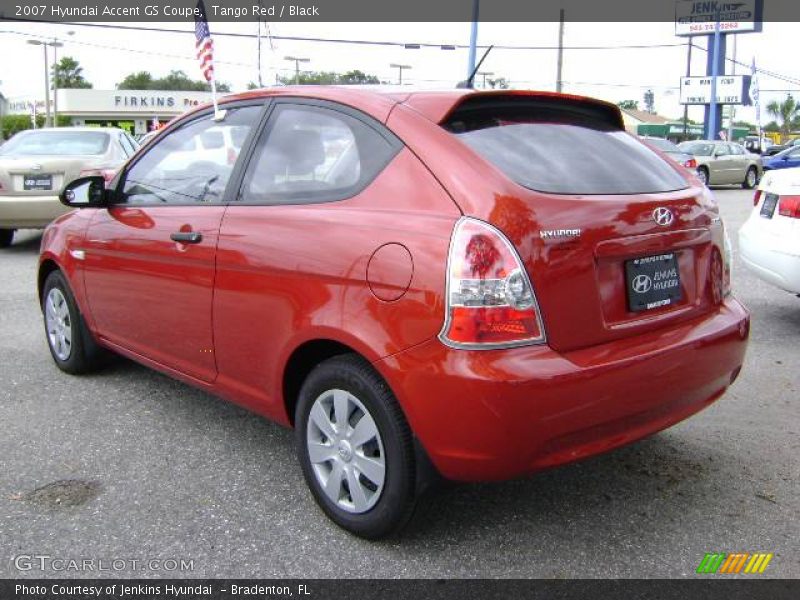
[
  {"x": 355, "y": 448},
  {"x": 6, "y": 237},
  {"x": 750, "y": 179},
  {"x": 71, "y": 344}
]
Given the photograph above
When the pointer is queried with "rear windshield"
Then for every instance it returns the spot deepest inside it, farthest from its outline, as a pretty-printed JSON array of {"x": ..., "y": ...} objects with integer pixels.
[
  {"x": 61, "y": 143},
  {"x": 563, "y": 151},
  {"x": 697, "y": 148},
  {"x": 662, "y": 144}
]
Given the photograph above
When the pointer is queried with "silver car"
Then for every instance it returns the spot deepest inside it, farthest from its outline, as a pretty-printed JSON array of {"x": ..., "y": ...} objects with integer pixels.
[
  {"x": 720, "y": 163},
  {"x": 37, "y": 163}
]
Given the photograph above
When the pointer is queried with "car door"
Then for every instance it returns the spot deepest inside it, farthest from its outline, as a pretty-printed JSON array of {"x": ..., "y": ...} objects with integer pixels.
[
  {"x": 739, "y": 163},
  {"x": 719, "y": 166},
  {"x": 150, "y": 256},
  {"x": 292, "y": 244},
  {"x": 792, "y": 158}
]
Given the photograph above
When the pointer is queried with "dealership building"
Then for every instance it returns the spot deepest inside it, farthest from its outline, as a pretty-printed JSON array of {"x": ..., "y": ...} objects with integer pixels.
[{"x": 137, "y": 111}]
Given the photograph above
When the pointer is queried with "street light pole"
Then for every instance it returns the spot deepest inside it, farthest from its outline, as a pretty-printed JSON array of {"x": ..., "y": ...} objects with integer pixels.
[
  {"x": 400, "y": 71},
  {"x": 56, "y": 45},
  {"x": 297, "y": 60},
  {"x": 46, "y": 80}
]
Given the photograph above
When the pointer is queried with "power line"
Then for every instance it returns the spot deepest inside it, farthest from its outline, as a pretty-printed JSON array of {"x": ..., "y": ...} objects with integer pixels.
[{"x": 396, "y": 44}]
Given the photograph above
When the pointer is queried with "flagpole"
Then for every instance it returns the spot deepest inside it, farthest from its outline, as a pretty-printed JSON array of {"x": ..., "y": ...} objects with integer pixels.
[{"x": 214, "y": 96}]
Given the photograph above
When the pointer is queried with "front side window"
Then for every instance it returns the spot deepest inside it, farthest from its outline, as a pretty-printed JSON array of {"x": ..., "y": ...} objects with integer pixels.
[
  {"x": 191, "y": 164},
  {"x": 310, "y": 154}
]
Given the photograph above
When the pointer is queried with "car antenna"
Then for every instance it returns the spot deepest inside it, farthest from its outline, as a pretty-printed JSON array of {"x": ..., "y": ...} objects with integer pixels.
[{"x": 470, "y": 82}]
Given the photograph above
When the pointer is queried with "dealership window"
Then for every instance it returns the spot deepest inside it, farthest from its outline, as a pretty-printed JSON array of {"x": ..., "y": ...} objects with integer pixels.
[
  {"x": 314, "y": 154},
  {"x": 191, "y": 164}
]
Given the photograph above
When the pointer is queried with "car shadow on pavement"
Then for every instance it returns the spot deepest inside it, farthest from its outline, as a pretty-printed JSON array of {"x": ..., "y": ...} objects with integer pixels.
[{"x": 25, "y": 242}]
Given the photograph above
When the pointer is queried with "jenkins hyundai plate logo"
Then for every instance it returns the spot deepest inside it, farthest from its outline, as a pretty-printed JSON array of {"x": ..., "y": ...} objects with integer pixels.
[
  {"x": 641, "y": 284},
  {"x": 663, "y": 216}
]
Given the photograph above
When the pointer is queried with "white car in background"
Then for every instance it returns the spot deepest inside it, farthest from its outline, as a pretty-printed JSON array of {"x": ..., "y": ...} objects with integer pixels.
[{"x": 769, "y": 242}]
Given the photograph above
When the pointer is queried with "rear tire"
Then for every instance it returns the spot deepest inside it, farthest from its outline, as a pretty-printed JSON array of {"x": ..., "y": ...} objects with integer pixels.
[
  {"x": 71, "y": 344},
  {"x": 750, "y": 179},
  {"x": 702, "y": 173},
  {"x": 355, "y": 448},
  {"x": 6, "y": 237}
]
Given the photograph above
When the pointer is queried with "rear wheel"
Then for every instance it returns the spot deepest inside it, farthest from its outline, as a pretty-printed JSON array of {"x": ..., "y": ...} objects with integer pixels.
[
  {"x": 71, "y": 344},
  {"x": 355, "y": 448},
  {"x": 6, "y": 237},
  {"x": 702, "y": 174},
  {"x": 750, "y": 179}
]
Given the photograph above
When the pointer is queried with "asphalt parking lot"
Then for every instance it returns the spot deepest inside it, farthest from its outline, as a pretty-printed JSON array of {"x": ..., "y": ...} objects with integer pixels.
[{"x": 162, "y": 471}]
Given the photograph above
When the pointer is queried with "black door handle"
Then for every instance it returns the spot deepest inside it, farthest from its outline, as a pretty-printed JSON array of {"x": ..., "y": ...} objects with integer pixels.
[{"x": 186, "y": 237}]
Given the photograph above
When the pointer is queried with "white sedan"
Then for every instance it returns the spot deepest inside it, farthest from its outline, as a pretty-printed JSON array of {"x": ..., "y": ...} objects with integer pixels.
[{"x": 769, "y": 241}]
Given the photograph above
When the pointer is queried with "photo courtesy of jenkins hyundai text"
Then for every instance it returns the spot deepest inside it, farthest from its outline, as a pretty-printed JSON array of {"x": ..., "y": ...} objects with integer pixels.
[{"x": 460, "y": 285}]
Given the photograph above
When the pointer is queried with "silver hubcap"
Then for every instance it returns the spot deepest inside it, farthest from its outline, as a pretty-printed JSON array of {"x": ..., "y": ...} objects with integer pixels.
[
  {"x": 751, "y": 178},
  {"x": 59, "y": 324},
  {"x": 346, "y": 451}
]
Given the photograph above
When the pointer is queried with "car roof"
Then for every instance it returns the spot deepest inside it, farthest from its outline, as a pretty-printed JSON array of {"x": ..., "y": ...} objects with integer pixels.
[{"x": 378, "y": 101}]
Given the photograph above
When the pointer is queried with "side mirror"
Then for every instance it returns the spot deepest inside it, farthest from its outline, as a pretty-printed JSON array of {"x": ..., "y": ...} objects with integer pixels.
[{"x": 85, "y": 192}]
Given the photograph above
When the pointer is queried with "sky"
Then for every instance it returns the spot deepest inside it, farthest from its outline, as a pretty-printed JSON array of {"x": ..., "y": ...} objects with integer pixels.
[{"x": 108, "y": 55}]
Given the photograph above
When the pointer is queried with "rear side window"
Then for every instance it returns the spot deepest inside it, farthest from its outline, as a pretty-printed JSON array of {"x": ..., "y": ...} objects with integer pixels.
[
  {"x": 562, "y": 149},
  {"x": 310, "y": 153}
]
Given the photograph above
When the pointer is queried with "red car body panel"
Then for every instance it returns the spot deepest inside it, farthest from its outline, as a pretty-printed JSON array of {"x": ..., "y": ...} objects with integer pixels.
[{"x": 369, "y": 272}]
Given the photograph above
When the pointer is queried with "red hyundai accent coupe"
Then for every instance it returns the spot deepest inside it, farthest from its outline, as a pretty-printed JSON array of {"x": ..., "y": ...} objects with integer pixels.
[{"x": 474, "y": 285}]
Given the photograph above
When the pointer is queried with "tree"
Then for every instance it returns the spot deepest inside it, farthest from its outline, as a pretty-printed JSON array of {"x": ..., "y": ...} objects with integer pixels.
[
  {"x": 175, "y": 81},
  {"x": 629, "y": 104},
  {"x": 354, "y": 77},
  {"x": 786, "y": 114},
  {"x": 67, "y": 73},
  {"x": 137, "y": 81}
]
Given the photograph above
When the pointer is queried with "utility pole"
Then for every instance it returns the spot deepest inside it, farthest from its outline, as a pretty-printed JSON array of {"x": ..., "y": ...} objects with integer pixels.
[
  {"x": 473, "y": 38},
  {"x": 56, "y": 45},
  {"x": 686, "y": 106},
  {"x": 559, "y": 82},
  {"x": 732, "y": 106},
  {"x": 400, "y": 71},
  {"x": 297, "y": 61}
]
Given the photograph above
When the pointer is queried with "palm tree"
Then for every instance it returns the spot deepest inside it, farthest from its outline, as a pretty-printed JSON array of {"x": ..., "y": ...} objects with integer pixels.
[
  {"x": 786, "y": 114},
  {"x": 67, "y": 73}
]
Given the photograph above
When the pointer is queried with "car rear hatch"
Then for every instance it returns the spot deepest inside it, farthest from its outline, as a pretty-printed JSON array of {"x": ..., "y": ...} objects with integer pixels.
[
  {"x": 40, "y": 175},
  {"x": 616, "y": 240}
]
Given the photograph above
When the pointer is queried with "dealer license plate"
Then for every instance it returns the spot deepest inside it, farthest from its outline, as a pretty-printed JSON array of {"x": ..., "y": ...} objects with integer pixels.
[{"x": 652, "y": 281}]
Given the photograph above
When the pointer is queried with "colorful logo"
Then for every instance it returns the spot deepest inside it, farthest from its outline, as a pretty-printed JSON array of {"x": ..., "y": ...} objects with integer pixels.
[{"x": 738, "y": 562}]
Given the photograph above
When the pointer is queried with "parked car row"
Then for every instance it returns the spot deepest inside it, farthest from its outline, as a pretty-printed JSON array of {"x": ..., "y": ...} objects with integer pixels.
[{"x": 720, "y": 163}]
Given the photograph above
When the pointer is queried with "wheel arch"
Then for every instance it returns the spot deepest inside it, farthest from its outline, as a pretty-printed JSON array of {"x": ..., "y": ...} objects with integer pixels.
[
  {"x": 46, "y": 266},
  {"x": 302, "y": 361}
]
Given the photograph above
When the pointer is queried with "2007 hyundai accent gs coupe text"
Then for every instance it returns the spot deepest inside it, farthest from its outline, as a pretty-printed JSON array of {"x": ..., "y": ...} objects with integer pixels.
[{"x": 461, "y": 283}]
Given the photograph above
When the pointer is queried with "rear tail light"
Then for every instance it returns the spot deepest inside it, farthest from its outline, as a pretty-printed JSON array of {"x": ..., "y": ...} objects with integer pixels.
[
  {"x": 690, "y": 164},
  {"x": 756, "y": 197},
  {"x": 789, "y": 206},
  {"x": 490, "y": 300},
  {"x": 106, "y": 174}
]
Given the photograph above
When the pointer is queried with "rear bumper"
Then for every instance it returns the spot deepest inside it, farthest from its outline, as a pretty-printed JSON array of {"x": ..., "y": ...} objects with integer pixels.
[
  {"x": 775, "y": 260},
  {"x": 29, "y": 212},
  {"x": 488, "y": 415}
]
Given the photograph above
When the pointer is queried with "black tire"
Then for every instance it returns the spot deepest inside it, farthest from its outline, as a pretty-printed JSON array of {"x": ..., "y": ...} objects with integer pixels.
[
  {"x": 6, "y": 237},
  {"x": 395, "y": 503},
  {"x": 750, "y": 179},
  {"x": 84, "y": 354},
  {"x": 702, "y": 173}
]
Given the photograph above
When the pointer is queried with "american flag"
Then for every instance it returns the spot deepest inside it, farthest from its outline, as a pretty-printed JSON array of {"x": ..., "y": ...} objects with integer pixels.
[{"x": 204, "y": 43}]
